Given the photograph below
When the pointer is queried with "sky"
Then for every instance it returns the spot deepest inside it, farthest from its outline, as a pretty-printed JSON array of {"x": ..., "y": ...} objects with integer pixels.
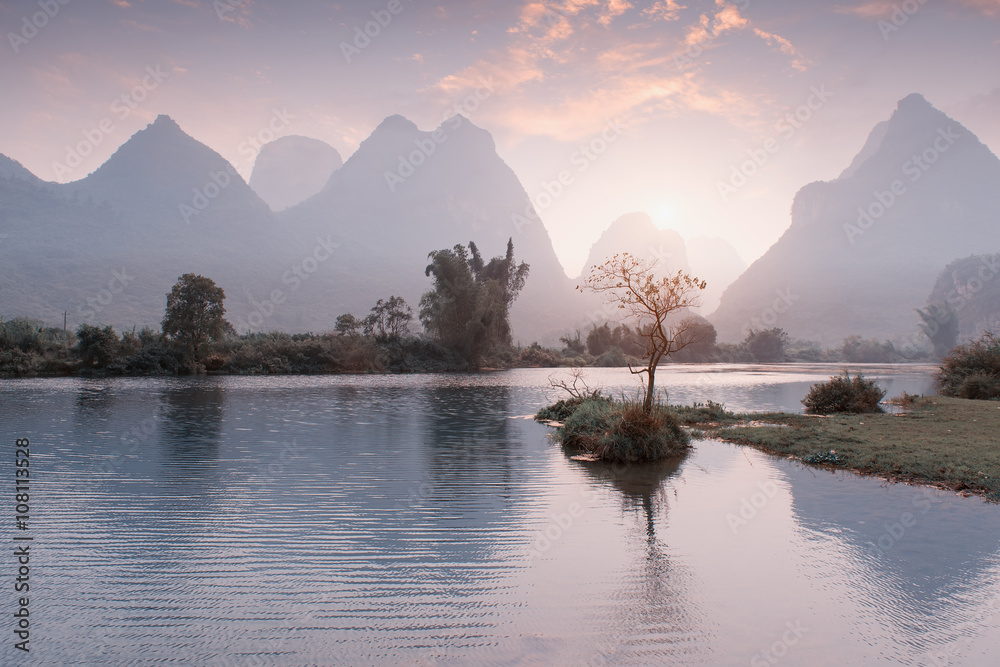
[{"x": 709, "y": 116}]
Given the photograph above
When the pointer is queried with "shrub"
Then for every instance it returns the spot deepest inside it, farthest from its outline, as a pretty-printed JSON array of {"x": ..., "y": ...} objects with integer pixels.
[
  {"x": 972, "y": 370},
  {"x": 22, "y": 334},
  {"x": 613, "y": 358},
  {"x": 844, "y": 394},
  {"x": 858, "y": 350},
  {"x": 623, "y": 432},
  {"x": 561, "y": 410}
]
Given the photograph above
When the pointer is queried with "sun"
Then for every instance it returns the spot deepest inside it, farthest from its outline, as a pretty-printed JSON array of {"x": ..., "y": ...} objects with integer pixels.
[{"x": 663, "y": 214}]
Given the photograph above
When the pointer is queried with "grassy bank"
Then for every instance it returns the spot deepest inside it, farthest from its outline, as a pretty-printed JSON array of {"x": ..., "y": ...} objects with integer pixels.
[{"x": 947, "y": 442}]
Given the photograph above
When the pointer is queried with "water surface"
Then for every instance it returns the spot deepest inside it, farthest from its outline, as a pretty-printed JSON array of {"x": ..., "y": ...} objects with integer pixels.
[{"x": 421, "y": 520}]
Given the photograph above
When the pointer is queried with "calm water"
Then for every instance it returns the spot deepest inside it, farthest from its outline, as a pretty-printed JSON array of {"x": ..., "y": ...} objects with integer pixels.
[{"x": 420, "y": 520}]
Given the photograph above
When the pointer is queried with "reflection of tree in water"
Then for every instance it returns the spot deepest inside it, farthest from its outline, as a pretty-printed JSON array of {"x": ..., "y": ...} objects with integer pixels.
[
  {"x": 641, "y": 485},
  {"x": 469, "y": 437},
  {"x": 191, "y": 423},
  {"x": 94, "y": 402},
  {"x": 656, "y": 598}
]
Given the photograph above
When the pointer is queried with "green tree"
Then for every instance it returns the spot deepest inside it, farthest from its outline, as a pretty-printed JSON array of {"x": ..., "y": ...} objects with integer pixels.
[
  {"x": 195, "y": 313},
  {"x": 599, "y": 339},
  {"x": 574, "y": 344},
  {"x": 940, "y": 325},
  {"x": 95, "y": 346},
  {"x": 347, "y": 325},
  {"x": 388, "y": 319},
  {"x": 468, "y": 308},
  {"x": 633, "y": 286},
  {"x": 766, "y": 345}
]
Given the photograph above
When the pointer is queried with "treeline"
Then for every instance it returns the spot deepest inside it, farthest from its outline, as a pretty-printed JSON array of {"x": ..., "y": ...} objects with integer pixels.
[
  {"x": 465, "y": 317},
  {"x": 618, "y": 345}
]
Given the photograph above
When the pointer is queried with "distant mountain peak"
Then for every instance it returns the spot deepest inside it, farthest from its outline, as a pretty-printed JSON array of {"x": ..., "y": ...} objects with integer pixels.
[
  {"x": 397, "y": 123},
  {"x": 913, "y": 101},
  {"x": 291, "y": 169}
]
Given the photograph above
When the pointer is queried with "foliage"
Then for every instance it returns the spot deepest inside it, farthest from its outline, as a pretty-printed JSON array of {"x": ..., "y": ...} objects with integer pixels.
[
  {"x": 623, "y": 431},
  {"x": 388, "y": 319},
  {"x": 22, "y": 334},
  {"x": 858, "y": 350},
  {"x": 536, "y": 356},
  {"x": 703, "y": 341},
  {"x": 632, "y": 285},
  {"x": 612, "y": 358},
  {"x": 195, "y": 312},
  {"x": 468, "y": 308},
  {"x": 972, "y": 370},
  {"x": 347, "y": 325},
  {"x": 602, "y": 338},
  {"x": 766, "y": 345},
  {"x": 844, "y": 394},
  {"x": 940, "y": 325},
  {"x": 574, "y": 346},
  {"x": 96, "y": 346}
]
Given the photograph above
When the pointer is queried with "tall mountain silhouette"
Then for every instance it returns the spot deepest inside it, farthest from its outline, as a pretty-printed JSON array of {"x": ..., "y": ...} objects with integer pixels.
[
  {"x": 165, "y": 204},
  {"x": 292, "y": 169},
  {"x": 405, "y": 193},
  {"x": 863, "y": 251}
]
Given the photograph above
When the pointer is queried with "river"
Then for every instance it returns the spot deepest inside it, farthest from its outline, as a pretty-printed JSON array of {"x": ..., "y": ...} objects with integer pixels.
[{"x": 421, "y": 519}]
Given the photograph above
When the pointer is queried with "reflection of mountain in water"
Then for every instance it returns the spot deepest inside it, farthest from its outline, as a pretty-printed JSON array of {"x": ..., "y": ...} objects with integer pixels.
[{"x": 912, "y": 545}]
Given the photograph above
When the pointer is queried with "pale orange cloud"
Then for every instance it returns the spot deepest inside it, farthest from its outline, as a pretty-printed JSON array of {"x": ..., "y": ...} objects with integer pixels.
[
  {"x": 664, "y": 10},
  {"x": 558, "y": 49},
  {"x": 988, "y": 7}
]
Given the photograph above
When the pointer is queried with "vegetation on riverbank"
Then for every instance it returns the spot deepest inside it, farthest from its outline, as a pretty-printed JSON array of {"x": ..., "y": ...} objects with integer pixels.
[
  {"x": 947, "y": 442},
  {"x": 972, "y": 370},
  {"x": 602, "y": 429}
]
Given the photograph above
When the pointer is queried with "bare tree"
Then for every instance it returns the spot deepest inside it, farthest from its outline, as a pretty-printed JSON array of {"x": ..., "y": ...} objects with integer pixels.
[{"x": 632, "y": 285}]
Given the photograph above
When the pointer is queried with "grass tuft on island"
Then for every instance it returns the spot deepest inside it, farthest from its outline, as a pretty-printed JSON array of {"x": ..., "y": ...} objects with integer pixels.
[
  {"x": 950, "y": 443},
  {"x": 599, "y": 428}
]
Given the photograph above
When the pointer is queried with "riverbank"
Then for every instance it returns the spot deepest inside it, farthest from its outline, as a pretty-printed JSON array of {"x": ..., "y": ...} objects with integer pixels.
[{"x": 950, "y": 443}]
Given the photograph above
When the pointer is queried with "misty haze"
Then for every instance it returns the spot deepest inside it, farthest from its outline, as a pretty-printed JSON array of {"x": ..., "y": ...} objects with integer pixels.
[{"x": 591, "y": 333}]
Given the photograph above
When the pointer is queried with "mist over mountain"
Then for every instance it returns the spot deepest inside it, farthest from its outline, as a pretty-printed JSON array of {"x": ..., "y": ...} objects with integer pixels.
[
  {"x": 291, "y": 169},
  {"x": 108, "y": 247},
  {"x": 971, "y": 288},
  {"x": 864, "y": 250},
  {"x": 636, "y": 234},
  {"x": 717, "y": 262},
  {"x": 711, "y": 259},
  {"x": 405, "y": 193}
]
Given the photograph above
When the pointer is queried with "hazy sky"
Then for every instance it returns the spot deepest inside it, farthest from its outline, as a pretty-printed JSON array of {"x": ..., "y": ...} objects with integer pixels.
[{"x": 682, "y": 92}]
